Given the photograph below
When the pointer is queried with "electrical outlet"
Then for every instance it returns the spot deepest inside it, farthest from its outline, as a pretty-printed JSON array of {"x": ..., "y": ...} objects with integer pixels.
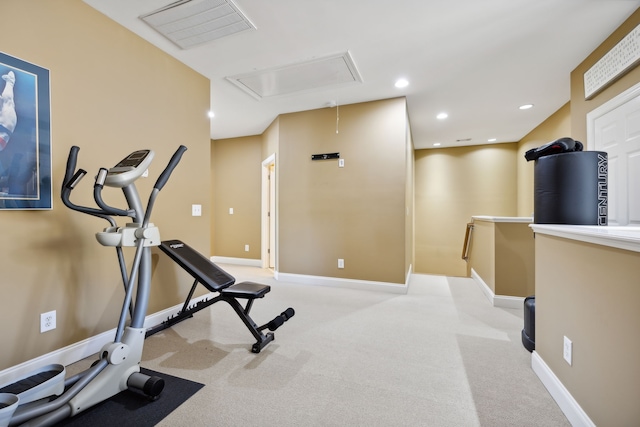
[
  {"x": 340, "y": 163},
  {"x": 47, "y": 321},
  {"x": 567, "y": 350},
  {"x": 340, "y": 263},
  {"x": 196, "y": 210},
  {"x": 246, "y": 248},
  {"x": 230, "y": 211}
]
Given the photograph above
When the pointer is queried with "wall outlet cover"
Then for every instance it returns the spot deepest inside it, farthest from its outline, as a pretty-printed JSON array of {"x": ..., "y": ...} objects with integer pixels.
[
  {"x": 47, "y": 321},
  {"x": 567, "y": 351}
]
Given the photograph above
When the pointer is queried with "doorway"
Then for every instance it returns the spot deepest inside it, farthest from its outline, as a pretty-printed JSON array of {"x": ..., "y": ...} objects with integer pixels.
[
  {"x": 614, "y": 127},
  {"x": 269, "y": 215}
]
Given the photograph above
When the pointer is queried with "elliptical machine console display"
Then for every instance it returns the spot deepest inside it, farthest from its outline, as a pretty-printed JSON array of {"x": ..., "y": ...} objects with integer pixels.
[{"x": 129, "y": 169}]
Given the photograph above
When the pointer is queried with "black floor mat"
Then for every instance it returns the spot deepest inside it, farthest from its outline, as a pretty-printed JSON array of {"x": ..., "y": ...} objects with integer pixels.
[{"x": 130, "y": 408}]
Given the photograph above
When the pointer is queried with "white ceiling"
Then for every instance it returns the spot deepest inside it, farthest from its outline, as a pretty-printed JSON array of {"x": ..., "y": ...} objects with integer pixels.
[{"x": 477, "y": 60}]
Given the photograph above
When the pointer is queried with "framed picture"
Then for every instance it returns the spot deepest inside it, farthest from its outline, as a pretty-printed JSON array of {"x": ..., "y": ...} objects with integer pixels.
[{"x": 25, "y": 135}]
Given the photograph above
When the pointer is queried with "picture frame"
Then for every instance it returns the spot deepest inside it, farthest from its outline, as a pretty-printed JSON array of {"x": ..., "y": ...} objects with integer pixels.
[{"x": 25, "y": 135}]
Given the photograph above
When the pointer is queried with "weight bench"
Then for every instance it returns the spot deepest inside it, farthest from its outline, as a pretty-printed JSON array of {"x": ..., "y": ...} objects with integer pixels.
[{"x": 217, "y": 280}]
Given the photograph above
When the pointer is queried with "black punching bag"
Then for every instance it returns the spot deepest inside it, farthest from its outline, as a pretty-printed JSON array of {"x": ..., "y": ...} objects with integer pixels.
[{"x": 571, "y": 188}]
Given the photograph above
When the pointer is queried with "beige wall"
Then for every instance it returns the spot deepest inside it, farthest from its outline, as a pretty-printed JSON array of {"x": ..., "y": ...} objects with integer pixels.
[
  {"x": 237, "y": 174},
  {"x": 558, "y": 125},
  {"x": 212, "y": 199},
  {"x": 482, "y": 254},
  {"x": 111, "y": 93},
  {"x": 409, "y": 235},
  {"x": 581, "y": 107},
  {"x": 452, "y": 185},
  {"x": 515, "y": 260},
  {"x": 590, "y": 294},
  {"x": 356, "y": 213},
  {"x": 271, "y": 138},
  {"x": 324, "y": 212}
]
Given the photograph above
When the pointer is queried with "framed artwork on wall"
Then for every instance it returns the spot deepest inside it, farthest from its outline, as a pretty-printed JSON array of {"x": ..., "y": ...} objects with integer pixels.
[{"x": 25, "y": 135}]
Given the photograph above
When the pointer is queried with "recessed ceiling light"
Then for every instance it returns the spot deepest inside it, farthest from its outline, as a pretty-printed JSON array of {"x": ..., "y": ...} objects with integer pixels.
[
  {"x": 211, "y": 114},
  {"x": 400, "y": 83},
  {"x": 442, "y": 116},
  {"x": 436, "y": 144},
  {"x": 491, "y": 140},
  {"x": 526, "y": 106}
]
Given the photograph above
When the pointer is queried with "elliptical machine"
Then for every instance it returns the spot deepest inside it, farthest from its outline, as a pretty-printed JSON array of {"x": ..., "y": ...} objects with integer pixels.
[{"x": 45, "y": 397}]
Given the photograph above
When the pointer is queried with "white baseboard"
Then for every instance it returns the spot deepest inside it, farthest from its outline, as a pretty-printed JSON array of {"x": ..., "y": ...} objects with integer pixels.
[
  {"x": 237, "y": 261},
  {"x": 85, "y": 348},
  {"x": 508, "y": 302},
  {"x": 502, "y": 301},
  {"x": 486, "y": 290},
  {"x": 572, "y": 410},
  {"x": 396, "y": 288}
]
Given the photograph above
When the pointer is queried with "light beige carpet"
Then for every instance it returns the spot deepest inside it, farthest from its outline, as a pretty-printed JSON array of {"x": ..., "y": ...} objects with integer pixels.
[{"x": 439, "y": 356}]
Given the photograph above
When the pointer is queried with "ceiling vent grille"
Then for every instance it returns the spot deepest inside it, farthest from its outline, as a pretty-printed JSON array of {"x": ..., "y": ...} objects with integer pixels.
[
  {"x": 189, "y": 23},
  {"x": 300, "y": 77}
]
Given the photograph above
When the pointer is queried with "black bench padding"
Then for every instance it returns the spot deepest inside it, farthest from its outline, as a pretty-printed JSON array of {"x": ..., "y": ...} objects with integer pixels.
[
  {"x": 204, "y": 271},
  {"x": 247, "y": 290}
]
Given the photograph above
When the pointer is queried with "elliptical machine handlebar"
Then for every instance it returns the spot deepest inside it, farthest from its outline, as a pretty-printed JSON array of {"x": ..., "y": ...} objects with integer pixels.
[
  {"x": 166, "y": 173},
  {"x": 97, "y": 196},
  {"x": 71, "y": 179},
  {"x": 162, "y": 180},
  {"x": 71, "y": 166}
]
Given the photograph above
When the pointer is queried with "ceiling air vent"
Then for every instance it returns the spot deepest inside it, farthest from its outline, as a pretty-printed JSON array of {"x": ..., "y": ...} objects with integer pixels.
[
  {"x": 299, "y": 77},
  {"x": 188, "y": 23}
]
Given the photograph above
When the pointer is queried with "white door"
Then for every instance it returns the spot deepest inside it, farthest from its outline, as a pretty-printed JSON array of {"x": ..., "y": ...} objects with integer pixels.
[{"x": 615, "y": 128}]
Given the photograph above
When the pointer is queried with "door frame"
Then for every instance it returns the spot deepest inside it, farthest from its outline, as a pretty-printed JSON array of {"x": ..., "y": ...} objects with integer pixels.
[
  {"x": 607, "y": 107},
  {"x": 269, "y": 162}
]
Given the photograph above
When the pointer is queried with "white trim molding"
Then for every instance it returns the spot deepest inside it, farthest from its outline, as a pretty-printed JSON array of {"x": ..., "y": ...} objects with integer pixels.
[
  {"x": 525, "y": 219},
  {"x": 571, "y": 409},
  {"x": 502, "y": 301},
  {"x": 237, "y": 261},
  {"x": 337, "y": 282},
  {"x": 615, "y": 236}
]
